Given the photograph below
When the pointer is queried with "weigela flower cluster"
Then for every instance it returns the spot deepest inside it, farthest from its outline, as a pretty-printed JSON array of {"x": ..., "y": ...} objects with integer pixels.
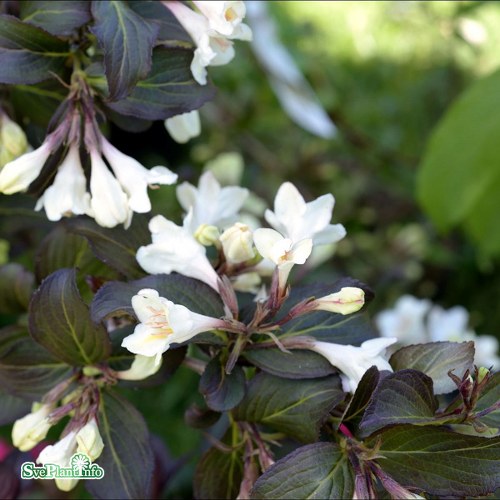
[{"x": 213, "y": 219}]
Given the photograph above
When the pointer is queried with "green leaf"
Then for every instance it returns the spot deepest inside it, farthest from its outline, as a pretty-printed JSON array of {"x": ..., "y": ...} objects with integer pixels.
[
  {"x": 404, "y": 397},
  {"x": 28, "y": 54},
  {"x": 295, "y": 407},
  {"x": 61, "y": 248},
  {"x": 168, "y": 90},
  {"x": 436, "y": 359},
  {"x": 60, "y": 321},
  {"x": 298, "y": 364},
  {"x": 439, "y": 461},
  {"x": 16, "y": 287},
  {"x": 127, "y": 42},
  {"x": 318, "y": 470},
  {"x": 115, "y": 247},
  {"x": 115, "y": 298},
  {"x": 12, "y": 407},
  {"x": 58, "y": 17},
  {"x": 364, "y": 392},
  {"x": 462, "y": 162},
  {"x": 219, "y": 474},
  {"x": 127, "y": 458},
  {"x": 26, "y": 368},
  {"x": 222, "y": 392},
  {"x": 490, "y": 396},
  {"x": 171, "y": 32}
]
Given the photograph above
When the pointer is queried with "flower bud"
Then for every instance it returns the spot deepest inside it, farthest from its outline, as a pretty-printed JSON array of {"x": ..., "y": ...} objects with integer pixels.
[
  {"x": 13, "y": 138},
  {"x": 347, "y": 301},
  {"x": 89, "y": 440},
  {"x": 31, "y": 429},
  {"x": 207, "y": 235},
  {"x": 141, "y": 368},
  {"x": 237, "y": 243},
  {"x": 482, "y": 373}
]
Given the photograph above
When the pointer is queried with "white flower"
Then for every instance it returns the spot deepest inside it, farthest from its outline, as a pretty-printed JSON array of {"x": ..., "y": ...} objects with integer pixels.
[
  {"x": 211, "y": 49},
  {"x": 60, "y": 454},
  {"x": 237, "y": 243},
  {"x": 447, "y": 325},
  {"x": 298, "y": 220},
  {"x": 282, "y": 252},
  {"x": 109, "y": 203},
  {"x": 134, "y": 178},
  {"x": 142, "y": 367},
  {"x": 352, "y": 361},
  {"x": 405, "y": 321},
  {"x": 175, "y": 250},
  {"x": 347, "y": 301},
  {"x": 89, "y": 440},
  {"x": 486, "y": 351},
  {"x": 209, "y": 203},
  {"x": 184, "y": 127},
  {"x": 28, "y": 431},
  {"x": 18, "y": 174},
  {"x": 226, "y": 18},
  {"x": 163, "y": 323},
  {"x": 68, "y": 193}
]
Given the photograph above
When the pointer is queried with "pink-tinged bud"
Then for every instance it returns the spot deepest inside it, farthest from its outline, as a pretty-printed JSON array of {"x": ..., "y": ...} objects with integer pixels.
[{"x": 347, "y": 301}]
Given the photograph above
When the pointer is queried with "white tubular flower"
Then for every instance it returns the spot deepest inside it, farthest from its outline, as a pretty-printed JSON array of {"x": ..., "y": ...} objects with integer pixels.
[
  {"x": 237, "y": 243},
  {"x": 405, "y": 321},
  {"x": 347, "y": 301},
  {"x": 89, "y": 440},
  {"x": 184, "y": 127},
  {"x": 211, "y": 50},
  {"x": 282, "y": 252},
  {"x": 60, "y": 454},
  {"x": 28, "y": 431},
  {"x": 134, "y": 178},
  {"x": 352, "y": 361},
  {"x": 109, "y": 203},
  {"x": 175, "y": 250},
  {"x": 163, "y": 323},
  {"x": 142, "y": 367},
  {"x": 298, "y": 220},
  {"x": 226, "y": 18},
  {"x": 17, "y": 175},
  {"x": 68, "y": 193},
  {"x": 209, "y": 203}
]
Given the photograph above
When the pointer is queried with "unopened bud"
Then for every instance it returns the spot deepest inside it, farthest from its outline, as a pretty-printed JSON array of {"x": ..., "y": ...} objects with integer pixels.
[
  {"x": 482, "y": 373},
  {"x": 237, "y": 243},
  {"x": 207, "y": 235},
  {"x": 141, "y": 368},
  {"x": 91, "y": 371},
  {"x": 89, "y": 440},
  {"x": 347, "y": 301},
  {"x": 13, "y": 138},
  {"x": 31, "y": 429}
]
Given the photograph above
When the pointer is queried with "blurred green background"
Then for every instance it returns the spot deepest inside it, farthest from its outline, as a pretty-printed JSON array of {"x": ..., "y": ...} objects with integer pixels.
[{"x": 386, "y": 73}]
